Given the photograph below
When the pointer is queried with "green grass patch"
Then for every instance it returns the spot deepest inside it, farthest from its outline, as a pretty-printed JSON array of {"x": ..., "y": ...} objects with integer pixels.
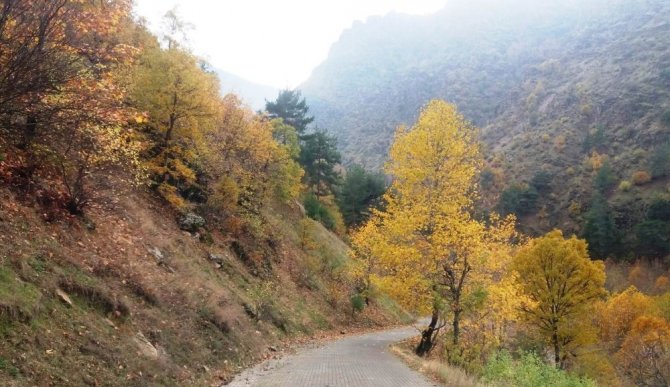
[
  {"x": 529, "y": 371},
  {"x": 19, "y": 300}
]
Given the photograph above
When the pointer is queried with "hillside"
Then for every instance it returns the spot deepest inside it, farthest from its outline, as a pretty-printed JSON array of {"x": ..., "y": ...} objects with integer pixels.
[
  {"x": 252, "y": 93},
  {"x": 127, "y": 298},
  {"x": 537, "y": 77},
  {"x": 151, "y": 227}
]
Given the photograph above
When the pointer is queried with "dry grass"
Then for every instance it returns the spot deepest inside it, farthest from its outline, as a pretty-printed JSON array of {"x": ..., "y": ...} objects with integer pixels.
[
  {"x": 435, "y": 369},
  {"x": 189, "y": 308}
]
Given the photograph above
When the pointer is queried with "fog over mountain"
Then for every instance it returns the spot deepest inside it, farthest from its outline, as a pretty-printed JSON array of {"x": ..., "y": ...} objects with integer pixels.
[
  {"x": 538, "y": 78},
  {"x": 251, "y": 93}
]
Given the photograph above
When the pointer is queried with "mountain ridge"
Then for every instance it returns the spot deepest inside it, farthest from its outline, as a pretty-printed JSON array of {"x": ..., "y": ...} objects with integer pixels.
[{"x": 538, "y": 79}]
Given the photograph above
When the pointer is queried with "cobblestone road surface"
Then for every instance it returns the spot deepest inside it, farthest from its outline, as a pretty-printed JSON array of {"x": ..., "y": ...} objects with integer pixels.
[{"x": 355, "y": 361}]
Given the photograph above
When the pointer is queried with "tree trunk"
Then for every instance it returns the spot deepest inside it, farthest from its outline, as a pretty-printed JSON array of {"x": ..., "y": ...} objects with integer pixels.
[
  {"x": 557, "y": 350},
  {"x": 427, "y": 339},
  {"x": 456, "y": 323}
]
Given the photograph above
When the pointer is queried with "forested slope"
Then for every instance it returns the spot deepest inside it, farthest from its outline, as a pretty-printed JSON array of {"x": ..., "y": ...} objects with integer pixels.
[
  {"x": 559, "y": 87},
  {"x": 151, "y": 231}
]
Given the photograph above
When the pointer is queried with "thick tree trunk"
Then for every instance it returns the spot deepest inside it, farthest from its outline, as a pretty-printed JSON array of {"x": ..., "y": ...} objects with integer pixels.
[{"x": 427, "y": 339}]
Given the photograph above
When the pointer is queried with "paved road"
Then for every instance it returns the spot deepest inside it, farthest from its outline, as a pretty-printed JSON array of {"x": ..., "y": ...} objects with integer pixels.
[{"x": 355, "y": 361}]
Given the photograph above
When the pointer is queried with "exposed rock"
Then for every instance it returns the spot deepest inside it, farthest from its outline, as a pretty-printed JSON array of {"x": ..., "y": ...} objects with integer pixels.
[
  {"x": 160, "y": 259},
  {"x": 63, "y": 297},
  {"x": 216, "y": 258},
  {"x": 273, "y": 348},
  {"x": 191, "y": 222},
  {"x": 157, "y": 254},
  {"x": 146, "y": 348}
]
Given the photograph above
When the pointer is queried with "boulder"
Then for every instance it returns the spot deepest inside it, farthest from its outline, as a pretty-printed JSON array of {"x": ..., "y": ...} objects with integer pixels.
[
  {"x": 63, "y": 297},
  {"x": 216, "y": 258},
  {"x": 191, "y": 222},
  {"x": 155, "y": 251},
  {"x": 146, "y": 348}
]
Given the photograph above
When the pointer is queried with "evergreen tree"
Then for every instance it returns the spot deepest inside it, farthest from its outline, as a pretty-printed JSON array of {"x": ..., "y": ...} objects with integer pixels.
[
  {"x": 599, "y": 229},
  {"x": 652, "y": 238},
  {"x": 518, "y": 200},
  {"x": 605, "y": 178},
  {"x": 292, "y": 108},
  {"x": 360, "y": 191},
  {"x": 541, "y": 181},
  {"x": 659, "y": 210},
  {"x": 319, "y": 156}
]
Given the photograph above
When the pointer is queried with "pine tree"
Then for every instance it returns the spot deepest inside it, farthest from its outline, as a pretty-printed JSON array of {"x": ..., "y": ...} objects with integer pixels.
[
  {"x": 600, "y": 230},
  {"x": 292, "y": 108},
  {"x": 319, "y": 156},
  {"x": 360, "y": 191}
]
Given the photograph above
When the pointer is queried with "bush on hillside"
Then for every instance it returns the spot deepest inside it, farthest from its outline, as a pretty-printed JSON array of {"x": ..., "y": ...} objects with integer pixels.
[
  {"x": 641, "y": 177},
  {"x": 518, "y": 200},
  {"x": 541, "y": 181},
  {"x": 528, "y": 371},
  {"x": 625, "y": 186},
  {"x": 318, "y": 211}
]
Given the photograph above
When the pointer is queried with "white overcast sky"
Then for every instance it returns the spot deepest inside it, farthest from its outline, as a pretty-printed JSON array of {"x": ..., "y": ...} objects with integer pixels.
[{"x": 272, "y": 42}]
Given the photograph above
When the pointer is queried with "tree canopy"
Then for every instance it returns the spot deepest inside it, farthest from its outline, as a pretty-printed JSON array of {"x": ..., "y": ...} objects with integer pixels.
[
  {"x": 424, "y": 248},
  {"x": 560, "y": 281},
  {"x": 292, "y": 108}
]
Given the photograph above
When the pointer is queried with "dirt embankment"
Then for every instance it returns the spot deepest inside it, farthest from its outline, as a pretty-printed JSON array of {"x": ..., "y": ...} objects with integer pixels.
[{"x": 124, "y": 297}]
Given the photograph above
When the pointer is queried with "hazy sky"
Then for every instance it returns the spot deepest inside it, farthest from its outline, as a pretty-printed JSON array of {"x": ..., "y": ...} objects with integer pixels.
[{"x": 272, "y": 42}]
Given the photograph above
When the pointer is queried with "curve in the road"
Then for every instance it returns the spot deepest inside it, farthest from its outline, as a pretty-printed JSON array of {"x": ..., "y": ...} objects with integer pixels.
[{"x": 358, "y": 361}]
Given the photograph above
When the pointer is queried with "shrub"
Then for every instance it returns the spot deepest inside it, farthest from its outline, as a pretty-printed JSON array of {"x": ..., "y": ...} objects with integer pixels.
[
  {"x": 541, "y": 181},
  {"x": 625, "y": 186},
  {"x": 529, "y": 370},
  {"x": 319, "y": 212},
  {"x": 357, "y": 302},
  {"x": 641, "y": 177},
  {"x": 226, "y": 195},
  {"x": 518, "y": 200}
]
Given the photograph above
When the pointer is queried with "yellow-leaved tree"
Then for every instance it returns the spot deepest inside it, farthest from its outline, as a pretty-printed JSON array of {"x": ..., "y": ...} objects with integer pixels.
[
  {"x": 560, "y": 282},
  {"x": 425, "y": 248},
  {"x": 181, "y": 100},
  {"x": 247, "y": 162}
]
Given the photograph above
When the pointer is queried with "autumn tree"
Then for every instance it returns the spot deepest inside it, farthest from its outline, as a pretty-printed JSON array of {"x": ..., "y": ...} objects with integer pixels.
[
  {"x": 62, "y": 88},
  {"x": 560, "y": 281},
  {"x": 645, "y": 353},
  {"x": 425, "y": 245},
  {"x": 180, "y": 100},
  {"x": 287, "y": 136},
  {"x": 245, "y": 161},
  {"x": 292, "y": 108},
  {"x": 615, "y": 316}
]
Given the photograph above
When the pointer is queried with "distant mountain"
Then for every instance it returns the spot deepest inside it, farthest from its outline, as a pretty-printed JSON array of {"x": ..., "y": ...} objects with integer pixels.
[
  {"x": 543, "y": 79},
  {"x": 252, "y": 93}
]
